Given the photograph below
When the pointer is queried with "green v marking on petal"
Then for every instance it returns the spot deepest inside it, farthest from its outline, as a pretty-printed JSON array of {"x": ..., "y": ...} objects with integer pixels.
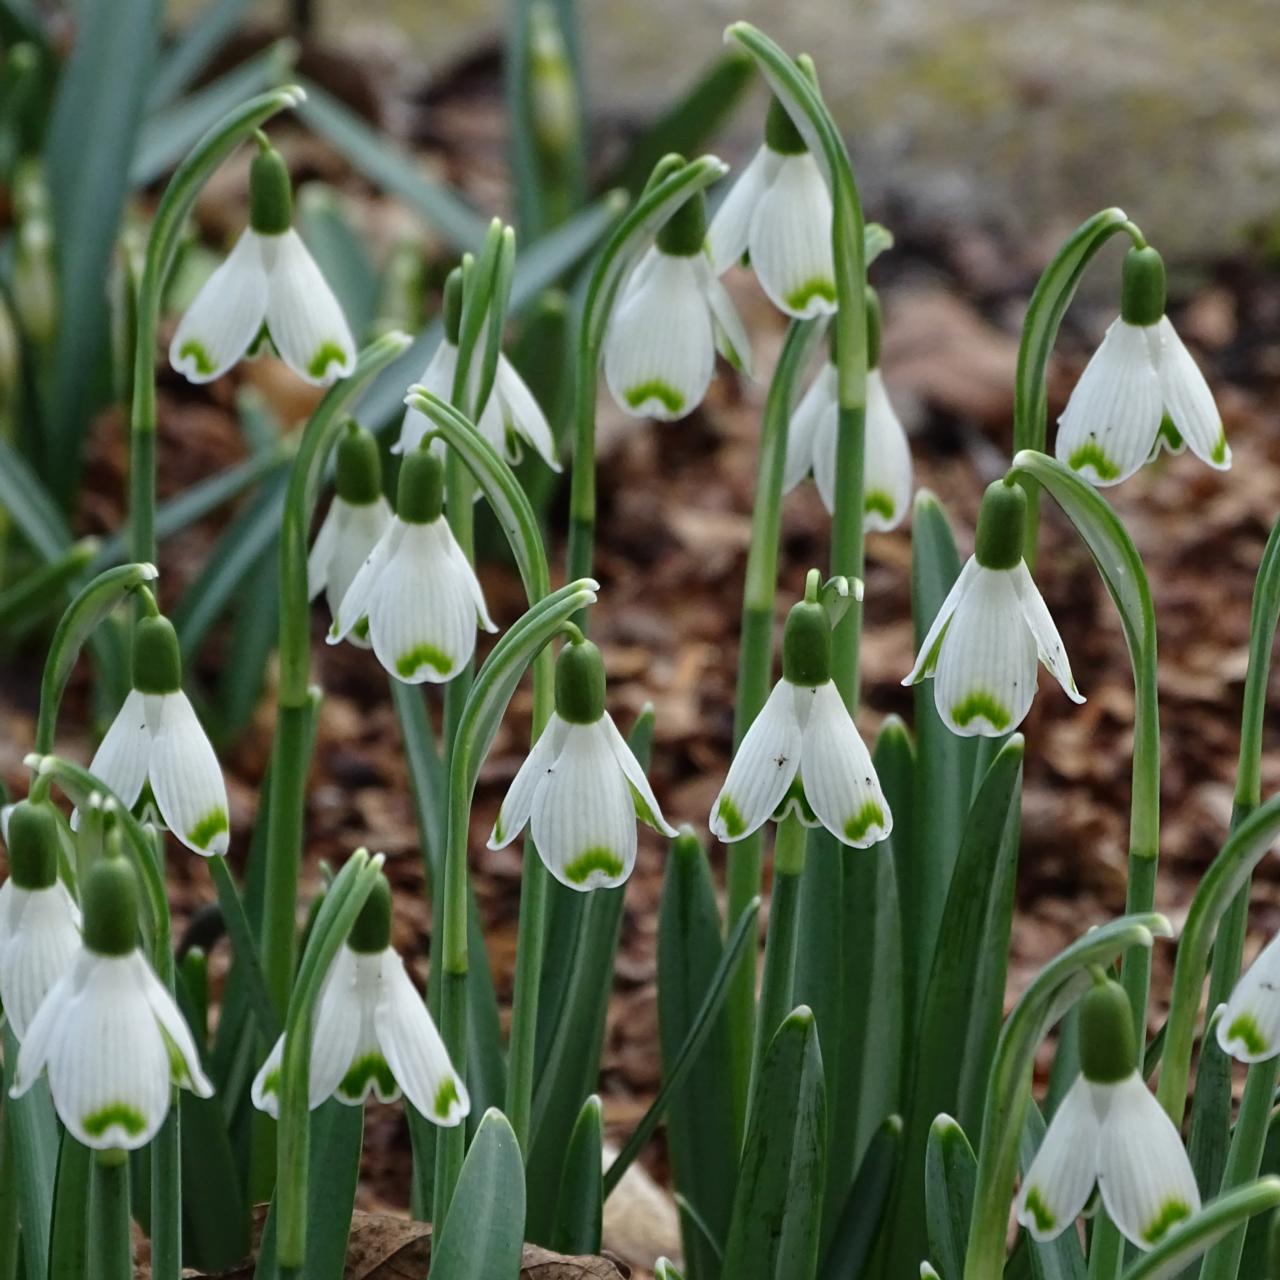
[
  {"x": 1036, "y": 1207},
  {"x": 1171, "y": 1213},
  {"x": 1091, "y": 454},
  {"x": 214, "y": 823},
  {"x": 198, "y": 353},
  {"x": 1244, "y": 1027},
  {"x": 803, "y": 294},
  {"x": 446, "y": 1098},
  {"x": 121, "y": 1115},
  {"x": 597, "y": 858},
  {"x": 643, "y": 812},
  {"x": 271, "y": 1082},
  {"x": 870, "y": 815},
  {"x": 326, "y": 354},
  {"x": 877, "y": 502},
  {"x": 730, "y": 816},
  {"x": 981, "y": 705},
  {"x": 1219, "y": 454},
  {"x": 655, "y": 389},
  {"x": 371, "y": 1068},
  {"x": 423, "y": 655}
]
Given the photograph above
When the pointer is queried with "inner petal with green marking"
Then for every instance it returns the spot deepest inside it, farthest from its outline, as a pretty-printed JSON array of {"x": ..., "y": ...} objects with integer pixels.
[
  {"x": 1040, "y": 1211},
  {"x": 446, "y": 1098},
  {"x": 213, "y": 824},
  {"x": 366, "y": 1072},
  {"x": 195, "y": 351},
  {"x": 878, "y": 502},
  {"x": 115, "y": 1115},
  {"x": 1092, "y": 454},
  {"x": 1244, "y": 1028},
  {"x": 1171, "y": 1213},
  {"x": 327, "y": 353},
  {"x": 731, "y": 816},
  {"x": 594, "y": 861},
  {"x": 655, "y": 389},
  {"x": 803, "y": 294},
  {"x": 980, "y": 705},
  {"x": 870, "y": 816},
  {"x": 423, "y": 655}
]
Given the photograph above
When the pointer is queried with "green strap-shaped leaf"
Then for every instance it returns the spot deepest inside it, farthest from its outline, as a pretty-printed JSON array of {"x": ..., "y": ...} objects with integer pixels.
[
  {"x": 950, "y": 1171},
  {"x": 580, "y": 1206},
  {"x": 863, "y": 1213},
  {"x": 30, "y": 506},
  {"x": 32, "y": 1131}
]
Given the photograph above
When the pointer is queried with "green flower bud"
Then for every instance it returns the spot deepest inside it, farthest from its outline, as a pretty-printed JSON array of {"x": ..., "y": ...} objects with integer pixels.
[
  {"x": 33, "y": 845},
  {"x": 685, "y": 231},
  {"x": 806, "y": 645},
  {"x": 109, "y": 903},
  {"x": 1142, "y": 287},
  {"x": 270, "y": 193},
  {"x": 580, "y": 683},
  {"x": 359, "y": 466},
  {"x": 420, "y": 493},
  {"x": 371, "y": 933},
  {"x": 780, "y": 132},
  {"x": 1002, "y": 520},
  {"x": 451, "y": 311},
  {"x": 1108, "y": 1050},
  {"x": 157, "y": 664}
]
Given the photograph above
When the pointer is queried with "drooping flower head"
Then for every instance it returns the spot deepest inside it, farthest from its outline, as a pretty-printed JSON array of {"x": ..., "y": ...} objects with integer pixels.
[
  {"x": 372, "y": 1033},
  {"x": 1249, "y": 1027},
  {"x": 39, "y": 920},
  {"x": 108, "y": 1033},
  {"x": 993, "y": 625},
  {"x": 270, "y": 287},
  {"x": 581, "y": 789},
  {"x": 357, "y": 518},
  {"x": 660, "y": 348},
  {"x": 779, "y": 215},
  {"x": 803, "y": 751},
  {"x": 1110, "y": 1131},
  {"x": 1141, "y": 389},
  {"x": 417, "y": 589},
  {"x": 814, "y": 432}
]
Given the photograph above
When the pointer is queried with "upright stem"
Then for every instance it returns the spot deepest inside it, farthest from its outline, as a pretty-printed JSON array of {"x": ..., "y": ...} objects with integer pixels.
[{"x": 114, "y": 1246}]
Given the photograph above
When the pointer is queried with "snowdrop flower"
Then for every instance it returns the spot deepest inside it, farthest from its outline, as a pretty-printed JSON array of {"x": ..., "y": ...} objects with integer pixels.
[
  {"x": 39, "y": 920},
  {"x": 511, "y": 418},
  {"x": 983, "y": 645},
  {"x": 660, "y": 348},
  {"x": 357, "y": 518},
  {"x": 1114, "y": 420},
  {"x": 269, "y": 283},
  {"x": 108, "y": 1033},
  {"x": 779, "y": 214},
  {"x": 372, "y": 1032},
  {"x": 1111, "y": 1131},
  {"x": 815, "y": 426},
  {"x": 157, "y": 738},
  {"x": 1249, "y": 1028},
  {"x": 417, "y": 589},
  {"x": 580, "y": 790},
  {"x": 803, "y": 752}
]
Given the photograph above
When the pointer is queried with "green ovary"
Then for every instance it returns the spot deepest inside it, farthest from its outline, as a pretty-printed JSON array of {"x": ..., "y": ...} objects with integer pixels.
[
  {"x": 981, "y": 706},
  {"x": 1171, "y": 1213},
  {"x": 598, "y": 858},
  {"x": 423, "y": 655},
  {"x": 731, "y": 817},
  {"x": 877, "y": 502},
  {"x": 800, "y": 297},
  {"x": 196, "y": 351},
  {"x": 369, "y": 1069},
  {"x": 1092, "y": 455},
  {"x": 655, "y": 389},
  {"x": 328, "y": 353},
  {"x": 114, "y": 1115},
  {"x": 1245, "y": 1029},
  {"x": 1036, "y": 1207},
  {"x": 446, "y": 1099},
  {"x": 870, "y": 815},
  {"x": 214, "y": 823}
]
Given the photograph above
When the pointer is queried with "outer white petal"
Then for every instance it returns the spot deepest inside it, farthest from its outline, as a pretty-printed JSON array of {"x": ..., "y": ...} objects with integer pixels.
[
  {"x": 186, "y": 777},
  {"x": 358, "y": 597},
  {"x": 812, "y": 434},
  {"x": 1109, "y": 425},
  {"x": 226, "y": 315},
  {"x": 840, "y": 782},
  {"x": 583, "y": 819},
  {"x": 1188, "y": 400},
  {"x": 727, "y": 234},
  {"x": 887, "y": 470},
  {"x": 44, "y": 1031},
  {"x": 763, "y": 769},
  {"x": 437, "y": 378},
  {"x": 1057, "y": 1186},
  {"x": 359, "y": 530},
  {"x": 521, "y": 413},
  {"x": 170, "y": 1020},
  {"x": 646, "y": 803},
  {"x": 123, "y": 755},
  {"x": 790, "y": 239},
  {"x": 513, "y": 815},
  {"x": 1146, "y": 1180},
  {"x": 468, "y": 575},
  {"x": 731, "y": 336},
  {"x": 986, "y": 674},
  {"x": 414, "y": 1050},
  {"x": 39, "y": 949},
  {"x": 304, "y": 319},
  {"x": 659, "y": 352},
  {"x": 265, "y": 1090},
  {"x": 1249, "y": 1029},
  {"x": 1049, "y": 644},
  {"x": 322, "y": 548},
  {"x": 368, "y": 1071},
  {"x": 336, "y": 1032},
  {"x": 927, "y": 658}
]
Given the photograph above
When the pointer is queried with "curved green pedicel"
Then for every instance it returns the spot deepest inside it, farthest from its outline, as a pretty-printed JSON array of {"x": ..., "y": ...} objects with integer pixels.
[
  {"x": 655, "y": 389},
  {"x": 597, "y": 858},
  {"x": 423, "y": 655},
  {"x": 369, "y": 1070},
  {"x": 980, "y": 705},
  {"x": 1091, "y": 454}
]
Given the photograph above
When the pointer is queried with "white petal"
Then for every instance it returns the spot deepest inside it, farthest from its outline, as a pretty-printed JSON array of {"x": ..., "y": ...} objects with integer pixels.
[
  {"x": 1056, "y": 1188},
  {"x": 727, "y": 234},
  {"x": 1109, "y": 425},
  {"x": 182, "y": 1045},
  {"x": 763, "y": 769},
  {"x": 336, "y": 1031},
  {"x": 464, "y": 570},
  {"x": 322, "y": 549},
  {"x": 1249, "y": 1029},
  {"x": 265, "y": 1090},
  {"x": 659, "y": 352},
  {"x": 811, "y": 435},
  {"x": 225, "y": 317},
  {"x": 186, "y": 777},
  {"x": 366, "y": 584},
  {"x": 790, "y": 240},
  {"x": 731, "y": 336},
  {"x": 840, "y": 782},
  {"x": 437, "y": 378},
  {"x": 886, "y": 480},
  {"x": 646, "y": 803},
  {"x": 1144, "y": 1175},
  {"x": 1049, "y": 644},
  {"x": 44, "y": 1031},
  {"x": 583, "y": 820},
  {"x": 359, "y": 530},
  {"x": 927, "y": 658},
  {"x": 986, "y": 674},
  {"x": 122, "y": 757},
  {"x": 304, "y": 319},
  {"x": 368, "y": 1071},
  {"x": 1188, "y": 400},
  {"x": 516, "y": 807},
  {"x": 521, "y": 413},
  {"x": 44, "y": 940}
]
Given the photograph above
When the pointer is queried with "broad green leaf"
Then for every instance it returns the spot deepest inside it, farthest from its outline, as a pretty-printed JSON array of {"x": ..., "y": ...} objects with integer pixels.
[
  {"x": 950, "y": 1171},
  {"x": 1210, "y": 1131},
  {"x": 1060, "y": 1259},
  {"x": 32, "y": 1128},
  {"x": 863, "y": 1213},
  {"x": 580, "y": 1205},
  {"x": 69, "y": 1230},
  {"x": 30, "y": 505}
]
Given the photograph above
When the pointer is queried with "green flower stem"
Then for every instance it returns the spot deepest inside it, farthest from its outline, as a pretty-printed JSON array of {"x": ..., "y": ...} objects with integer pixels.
[
  {"x": 162, "y": 245},
  {"x": 113, "y": 1246}
]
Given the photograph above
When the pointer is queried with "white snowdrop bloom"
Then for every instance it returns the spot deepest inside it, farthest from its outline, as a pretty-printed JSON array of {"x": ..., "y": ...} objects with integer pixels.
[
  {"x": 983, "y": 645},
  {"x": 580, "y": 789},
  {"x": 39, "y": 920},
  {"x": 157, "y": 738},
  {"x": 1249, "y": 1028},
  {"x": 803, "y": 751},
  {"x": 419, "y": 593},
  {"x": 269, "y": 283},
  {"x": 779, "y": 214},
  {"x": 372, "y": 1033},
  {"x": 1140, "y": 373},
  {"x": 108, "y": 1033},
  {"x": 1110, "y": 1131},
  {"x": 672, "y": 315},
  {"x": 357, "y": 518}
]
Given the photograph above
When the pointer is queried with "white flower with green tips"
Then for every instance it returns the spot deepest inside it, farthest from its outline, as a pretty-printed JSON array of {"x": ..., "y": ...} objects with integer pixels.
[
  {"x": 1140, "y": 375},
  {"x": 984, "y": 643},
  {"x": 372, "y": 1033},
  {"x": 108, "y": 1033},
  {"x": 581, "y": 788},
  {"x": 1109, "y": 1131},
  {"x": 803, "y": 752},
  {"x": 417, "y": 589},
  {"x": 778, "y": 214},
  {"x": 270, "y": 287},
  {"x": 1249, "y": 1026}
]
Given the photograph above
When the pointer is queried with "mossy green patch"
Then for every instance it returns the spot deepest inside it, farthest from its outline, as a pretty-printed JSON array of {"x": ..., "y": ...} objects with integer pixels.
[
  {"x": 1245, "y": 1028},
  {"x": 122, "y": 1115},
  {"x": 1039, "y": 1211},
  {"x": 1171, "y": 1213},
  {"x": 1092, "y": 454},
  {"x": 877, "y": 502},
  {"x": 328, "y": 353},
  {"x": 195, "y": 351},
  {"x": 730, "y": 817},
  {"x": 818, "y": 287},
  {"x": 370, "y": 1068},
  {"x": 446, "y": 1098},
  {"x": 580, "y": 869},
  {"x": 213, "y": 824},
  {"x": 423, "y": 655},
  {"x": 870, "y": 815},
  {"x": 984, "y": 706},
  {"x": 655, "y": 389}
]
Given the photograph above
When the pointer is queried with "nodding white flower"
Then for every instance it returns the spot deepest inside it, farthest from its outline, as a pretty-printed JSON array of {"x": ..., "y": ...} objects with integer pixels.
[
  {"x": 108, "y": 1033},
  {"x": 357, "y": 518},
  {"x": 779, "y": 214},
  {"x": 580, "y": 789},
  {"x": 993, "y": 625},
  {"x": 269, "y": 284},
  {"x": 39, "y": 920},
  {"x": 372, "y": 1033},
  {"x": 1249, "y": 1027},
  {"x": 1110, "y": 1131},
  {"x": 157, "y": 738},
  {"x": 1114, "y": 420},
  {"x": 803, "y": 751},
  {"x": 673, "y": 313},
  {"x": 417, "y": 589}
]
